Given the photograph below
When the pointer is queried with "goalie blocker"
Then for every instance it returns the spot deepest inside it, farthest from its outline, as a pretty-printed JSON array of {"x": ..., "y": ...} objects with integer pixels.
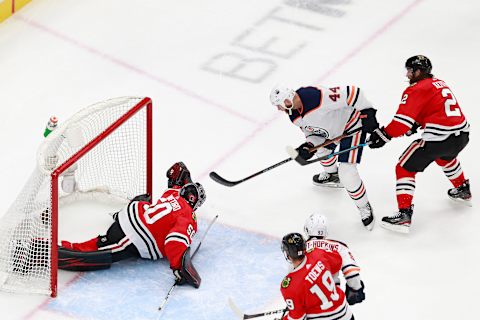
[{"x": 187, "y": 273}]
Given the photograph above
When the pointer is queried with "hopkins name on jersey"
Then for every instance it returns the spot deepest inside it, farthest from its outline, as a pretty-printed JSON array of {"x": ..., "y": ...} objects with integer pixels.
[
  {"x": 431, "y": 104},
  {"x": 163, "y": 229},
  {"x": 329, "y": 112}
]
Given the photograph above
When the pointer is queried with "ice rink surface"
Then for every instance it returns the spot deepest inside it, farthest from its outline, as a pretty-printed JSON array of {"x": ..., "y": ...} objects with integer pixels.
[{"x": 209, "y": 67}]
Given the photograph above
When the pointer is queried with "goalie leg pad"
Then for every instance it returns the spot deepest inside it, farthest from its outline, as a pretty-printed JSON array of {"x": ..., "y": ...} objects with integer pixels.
[
  {"x": 83, "y": 261},
  {"x": 189, "y": 273}
]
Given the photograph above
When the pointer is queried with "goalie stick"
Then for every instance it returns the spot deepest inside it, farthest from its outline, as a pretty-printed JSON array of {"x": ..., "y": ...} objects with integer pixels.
[
  {"x": 217, "y": 178},
  {"x": 242, "y": 315},
  {"x": 193, "y": 254}
]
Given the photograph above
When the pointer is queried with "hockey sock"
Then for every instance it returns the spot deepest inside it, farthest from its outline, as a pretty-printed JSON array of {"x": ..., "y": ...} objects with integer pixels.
[
  {"x": 330, "y": 165},
  {"x": 352, "y": 182},
  {"x": 452, "y": 170},
  {"x": 405, "y": 187}
]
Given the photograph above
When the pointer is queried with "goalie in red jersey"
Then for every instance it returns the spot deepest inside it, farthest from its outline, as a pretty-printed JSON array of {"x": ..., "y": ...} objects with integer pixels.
[
  {"x": 309, "y": 289},
  {"x": 146, "y": 230},
  {"x": 428, "y": 103}
]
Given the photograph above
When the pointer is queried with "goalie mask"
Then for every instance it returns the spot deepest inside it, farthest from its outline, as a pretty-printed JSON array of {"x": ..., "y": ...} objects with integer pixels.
[
  {"x": 316, "y": 226},
  {"x": 194, "y": 194},
  {"x": 279, "y": 94},
  {"x": 293, "y": 246}
]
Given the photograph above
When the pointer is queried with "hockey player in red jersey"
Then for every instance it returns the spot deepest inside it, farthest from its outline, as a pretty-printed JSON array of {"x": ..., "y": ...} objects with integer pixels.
[
  {"x": 316, "y": 231},
  {"x": 150, "y": 231},
  {"x": 428, "y": 103},
  {"x": 328, "y": 113},
  {"x": 309, "y": 289}
]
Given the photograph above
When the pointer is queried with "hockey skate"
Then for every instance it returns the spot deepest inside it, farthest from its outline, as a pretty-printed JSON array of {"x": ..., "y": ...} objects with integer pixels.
[
  {"x": 368, "y": 219},
  {"x": 329, "y": 180},
  {"x": 461, "y": 194},
  {"x": 400, "y": 221}
]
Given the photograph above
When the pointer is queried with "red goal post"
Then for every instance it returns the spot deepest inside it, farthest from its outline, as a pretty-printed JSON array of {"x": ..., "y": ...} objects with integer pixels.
[{"x": 104, "y": 152}]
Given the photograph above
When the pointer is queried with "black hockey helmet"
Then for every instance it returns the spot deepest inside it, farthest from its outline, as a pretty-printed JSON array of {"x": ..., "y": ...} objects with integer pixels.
[
  {"x": 178, "y": 175},
  {"x": 293, "y": 246},
  {"x": 194, "y": 194},
  {"x": 419, "y": 62}
]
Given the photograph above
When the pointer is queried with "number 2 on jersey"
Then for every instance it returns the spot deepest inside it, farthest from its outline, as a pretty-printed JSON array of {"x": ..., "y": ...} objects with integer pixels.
[
  {"x": 451, "y": 101},
  {"x": 329, "y": 284}
]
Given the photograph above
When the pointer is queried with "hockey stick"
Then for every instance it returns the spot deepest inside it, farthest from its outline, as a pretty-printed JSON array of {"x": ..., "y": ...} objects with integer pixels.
[
  {"x": 217, "y": 178},
  {"x": 294, "y": 154},
  {"x": 242, "y": 315},
  {"x": 193, "y": 254}
]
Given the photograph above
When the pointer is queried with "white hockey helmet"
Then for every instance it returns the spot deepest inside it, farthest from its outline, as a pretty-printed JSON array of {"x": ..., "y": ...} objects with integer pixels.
[
  {"x": 279, "y": 94},
  {"x": 316, "y": 226}
]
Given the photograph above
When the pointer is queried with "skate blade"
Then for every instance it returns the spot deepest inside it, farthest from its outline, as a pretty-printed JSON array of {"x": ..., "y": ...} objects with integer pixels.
[
  {"x": 467, "y": 203},
  {"x": 370, "y": 226},
  {"x": 329, "y": 185},
  {"x": 394, "y": 227}
]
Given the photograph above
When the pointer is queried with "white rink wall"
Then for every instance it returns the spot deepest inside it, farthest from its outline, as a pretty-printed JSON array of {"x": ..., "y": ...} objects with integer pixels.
[{"x": 209, "y": 66}]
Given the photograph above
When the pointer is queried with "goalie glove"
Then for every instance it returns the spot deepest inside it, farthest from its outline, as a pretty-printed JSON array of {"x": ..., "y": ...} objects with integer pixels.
[
  {"x": 187, "y": 273},
  {"x": 355, "y": 296},
  {"x": 179, "y": 279},
  {"x": 378, "y": 138},
  {"x": 178, "y": 175}
]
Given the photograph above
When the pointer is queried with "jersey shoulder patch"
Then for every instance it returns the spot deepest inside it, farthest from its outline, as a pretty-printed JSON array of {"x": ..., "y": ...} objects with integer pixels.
[{"x": 286, "y": 282}]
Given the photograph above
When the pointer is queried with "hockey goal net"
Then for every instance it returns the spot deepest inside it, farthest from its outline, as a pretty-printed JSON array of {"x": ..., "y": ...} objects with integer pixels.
[{"x": 102, "y": 152}]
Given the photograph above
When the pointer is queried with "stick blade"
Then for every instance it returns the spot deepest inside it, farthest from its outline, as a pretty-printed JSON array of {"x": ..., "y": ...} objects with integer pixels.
[
  {"x": 235, "y": 309},
  {"x": 216, "y": 177}
]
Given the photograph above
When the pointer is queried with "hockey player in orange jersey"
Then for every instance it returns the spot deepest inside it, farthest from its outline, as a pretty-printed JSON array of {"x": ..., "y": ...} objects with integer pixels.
[
  {"x": 428, "y": 103},
  {"x": 164, "y": 229}
]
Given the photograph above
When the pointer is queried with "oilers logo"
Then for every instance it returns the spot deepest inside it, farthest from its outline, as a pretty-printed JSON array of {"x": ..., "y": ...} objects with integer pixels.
[{"x": 317, "y": 131}]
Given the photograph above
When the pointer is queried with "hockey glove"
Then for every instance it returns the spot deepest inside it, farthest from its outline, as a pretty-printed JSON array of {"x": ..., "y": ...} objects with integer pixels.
[
  {"x": 178, "y": 175},
  {"x": 179, "y": 279},
  {"x": 303, "y": 150},
  {"x": 187, "y": 273},
  {"x": 355, "y": 296},
  {"x": 378, "y": 138},
  {"x": 369, "y": 120},
  {"x": 413, "y": 129}
]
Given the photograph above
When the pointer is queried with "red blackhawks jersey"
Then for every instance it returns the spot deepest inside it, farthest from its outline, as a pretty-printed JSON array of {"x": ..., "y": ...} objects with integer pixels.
[
  {"x": 163, "y": 229},
  {"x": 310, "y": 291},
  {"x": 430, "y": 103}
]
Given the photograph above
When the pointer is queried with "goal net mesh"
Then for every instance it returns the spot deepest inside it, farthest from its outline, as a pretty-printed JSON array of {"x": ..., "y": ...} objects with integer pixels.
[{"x": 101, "y": 154}]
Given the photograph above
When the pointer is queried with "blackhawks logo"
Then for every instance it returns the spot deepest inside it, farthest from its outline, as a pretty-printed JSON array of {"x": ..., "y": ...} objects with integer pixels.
[{"x": 286, "y": 282}]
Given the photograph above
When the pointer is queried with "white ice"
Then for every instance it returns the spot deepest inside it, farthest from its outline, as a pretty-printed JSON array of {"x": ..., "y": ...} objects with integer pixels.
[{"x": 59, "y": 56}]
